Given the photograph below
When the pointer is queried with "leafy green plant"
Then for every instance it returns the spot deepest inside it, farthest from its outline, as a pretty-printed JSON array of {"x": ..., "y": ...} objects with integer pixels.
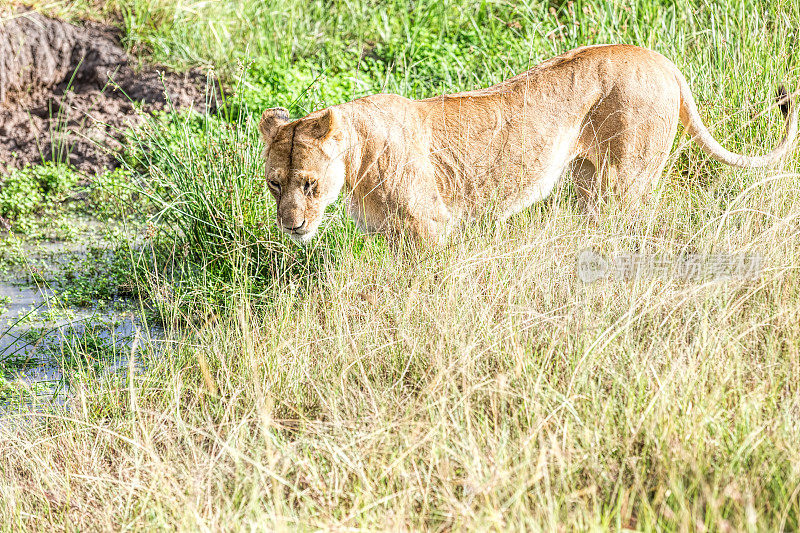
[{"x": 35, "y": 187}]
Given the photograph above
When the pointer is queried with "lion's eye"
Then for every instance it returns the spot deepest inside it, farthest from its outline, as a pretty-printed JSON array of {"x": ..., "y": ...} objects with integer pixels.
[
  {"x": 308, "y": 187},
  {"x": 274, "y": 185}
]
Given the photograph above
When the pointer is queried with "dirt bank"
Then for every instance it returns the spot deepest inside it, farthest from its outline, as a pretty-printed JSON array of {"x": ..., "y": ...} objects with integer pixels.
[{"x": 67, "y": 92}]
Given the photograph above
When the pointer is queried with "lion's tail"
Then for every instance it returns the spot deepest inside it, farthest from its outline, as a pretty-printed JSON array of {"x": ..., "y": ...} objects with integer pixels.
[{"x": 691, "y": 120}]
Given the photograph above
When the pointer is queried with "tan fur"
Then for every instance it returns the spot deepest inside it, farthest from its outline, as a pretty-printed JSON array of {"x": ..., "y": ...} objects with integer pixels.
[{"x": 609, "y": 113}]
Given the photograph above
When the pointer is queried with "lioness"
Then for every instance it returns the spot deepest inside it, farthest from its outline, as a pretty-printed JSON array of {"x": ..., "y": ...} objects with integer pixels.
[{"x": 419, "y": 167}]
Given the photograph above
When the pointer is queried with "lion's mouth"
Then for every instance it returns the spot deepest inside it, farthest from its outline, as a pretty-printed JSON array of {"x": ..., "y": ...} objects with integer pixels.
[
  {"x": 302, "y": 233},
  {"x": 302, "y": 237}
]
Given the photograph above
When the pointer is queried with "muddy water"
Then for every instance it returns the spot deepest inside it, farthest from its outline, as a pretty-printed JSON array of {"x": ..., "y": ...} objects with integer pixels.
[
  {"x": 37, "y": 339},
  {"x": 45, "y": 344}
]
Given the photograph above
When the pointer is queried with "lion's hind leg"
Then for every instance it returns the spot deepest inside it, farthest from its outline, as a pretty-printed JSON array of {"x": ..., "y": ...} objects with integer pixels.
[
  {"x": 589, "y": 183},
  {"x": 638, "y": 169},
  {"x": 627, "y": 166},
  {"x": 639, "y": 150},
  {"x": 630, "y": 181}
]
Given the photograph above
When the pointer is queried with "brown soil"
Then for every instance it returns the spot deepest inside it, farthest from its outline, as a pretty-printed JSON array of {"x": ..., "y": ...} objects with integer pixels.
[{"x": 69, "y": 92}]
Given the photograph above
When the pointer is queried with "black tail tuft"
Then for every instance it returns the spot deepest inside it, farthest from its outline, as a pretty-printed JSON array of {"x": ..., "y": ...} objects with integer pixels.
[{"x": 784, "y": 101}]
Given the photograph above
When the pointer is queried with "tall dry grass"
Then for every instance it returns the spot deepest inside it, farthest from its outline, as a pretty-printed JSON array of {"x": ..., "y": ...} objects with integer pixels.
[{"x": 483, "y": 386}]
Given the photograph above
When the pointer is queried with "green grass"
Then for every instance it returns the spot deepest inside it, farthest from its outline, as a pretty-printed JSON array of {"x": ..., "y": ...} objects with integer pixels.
[{"x": 351, "y": 385}]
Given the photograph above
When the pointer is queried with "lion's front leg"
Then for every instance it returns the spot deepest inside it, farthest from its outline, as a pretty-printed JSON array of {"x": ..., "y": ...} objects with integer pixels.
[
  {"x": 425, "y": 222},
  {"x": 369, "y": 218},
  {"x": 413, "y": 209},
  {"x": 428, "y": 227},
  {"x": 426, "y": 217}
]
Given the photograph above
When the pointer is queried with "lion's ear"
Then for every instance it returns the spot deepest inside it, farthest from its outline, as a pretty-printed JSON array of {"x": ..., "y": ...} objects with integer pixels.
[
  {"x": 328, "y": 125},
  {"x": 271, "y": 120}
]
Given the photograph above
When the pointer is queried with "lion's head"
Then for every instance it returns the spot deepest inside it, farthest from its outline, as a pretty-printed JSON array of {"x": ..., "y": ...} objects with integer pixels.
[{"x": 305, "y": 167}]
